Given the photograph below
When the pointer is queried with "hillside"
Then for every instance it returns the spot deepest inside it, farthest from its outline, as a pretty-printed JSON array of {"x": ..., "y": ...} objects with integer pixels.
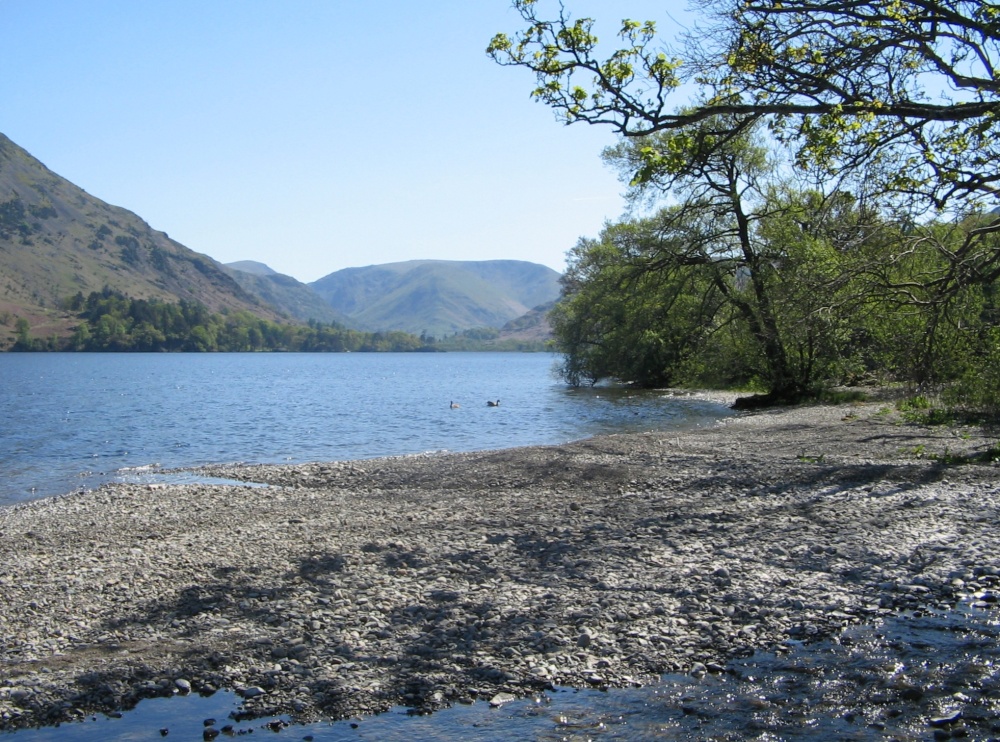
[
  {"x": 57, "y": 240},
  {"x": 438, "y": 297},
  {"x": 533, "y": 326},
  {"x": 284, "y": 293},
  {"x": 252, "y": 266}
]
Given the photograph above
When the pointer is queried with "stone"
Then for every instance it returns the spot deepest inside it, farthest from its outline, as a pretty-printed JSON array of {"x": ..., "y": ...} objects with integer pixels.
[
  {"x": 945, "y": 719},
  {"x": 501, "y": 698}
]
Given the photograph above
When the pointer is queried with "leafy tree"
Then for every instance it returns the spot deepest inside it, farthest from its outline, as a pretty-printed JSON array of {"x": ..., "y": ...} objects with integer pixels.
[
  {"x": 849, "y": 78},
  {"x": 111, "y": 333},
  {"x": 979, "y": 385},
  {"x": 743, "y": 247},
  {"x": 627, "y": 315},
  {"x": 893, "y": 101},
  {"x": 201, "y": 339},
  {"x": 22, "y": 334},
  {"x": 81, "y": 337},
  {"x": 903, "y": 95}
]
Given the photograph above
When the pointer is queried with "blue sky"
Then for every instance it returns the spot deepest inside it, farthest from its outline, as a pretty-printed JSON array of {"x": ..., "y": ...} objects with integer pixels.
[{"x": 311, "y": 135}]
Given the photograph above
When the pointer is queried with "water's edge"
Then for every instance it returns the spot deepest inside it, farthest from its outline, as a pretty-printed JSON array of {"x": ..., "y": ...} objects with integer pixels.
[{"x": 882, "y": 680}]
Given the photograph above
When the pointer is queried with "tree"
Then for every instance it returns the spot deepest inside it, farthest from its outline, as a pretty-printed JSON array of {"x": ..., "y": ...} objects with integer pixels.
[
  {"x": 743, "y": 254},
  {"x": 202, "y": 339},
  {"x": 903, "y": 95},
  {"x": 853, "y": 75},
  {"x": 22, "y": 333},
  {"x": 81, "y": 337},
  {"x": 623, "y": 317},
  {"x": 915, "y": 335}
]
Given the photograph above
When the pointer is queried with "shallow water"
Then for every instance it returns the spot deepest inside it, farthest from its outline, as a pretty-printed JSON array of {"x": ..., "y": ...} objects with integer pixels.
[
  {"x": 72, "y": 421},
  {"x": 918, "y": 676}
]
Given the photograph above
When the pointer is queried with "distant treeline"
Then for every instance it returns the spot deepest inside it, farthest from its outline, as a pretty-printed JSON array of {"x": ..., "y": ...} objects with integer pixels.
[
  {"x": 488, "y": 339},
  {"x": 111, "y": 321}
]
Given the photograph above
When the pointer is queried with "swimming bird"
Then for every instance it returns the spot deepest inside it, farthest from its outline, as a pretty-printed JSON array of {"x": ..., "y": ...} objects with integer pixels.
[
  {"x": 490, "y": 403},
  {"x": 454, "y": 406}
]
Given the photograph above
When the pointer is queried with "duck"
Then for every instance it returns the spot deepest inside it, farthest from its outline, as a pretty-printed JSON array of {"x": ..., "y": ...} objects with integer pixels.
[
  {"x": 491, "y": 403},
  {"x": 455, "y": 406}
]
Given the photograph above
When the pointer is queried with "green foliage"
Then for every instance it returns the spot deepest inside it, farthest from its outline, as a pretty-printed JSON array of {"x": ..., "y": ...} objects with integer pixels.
[
  {"x": 749, "y": 281},
  {"x": 22, "y": 333},
  {"x": 130, "y": 252},
  {"x": 840, "y": 396},
  {"x": 978, "y": 387},
  {"x": 13, "y": 219},
  {"x": 885, "y": 269},
  {"x": 906, "y": 90},
  {"x": 619, "y": 319},
  {"x": 487, "y": 339},
  {"x": 111, "y": 321},
  {"x": 744, "y": 282},
  {"x": 919, "y": 402}
]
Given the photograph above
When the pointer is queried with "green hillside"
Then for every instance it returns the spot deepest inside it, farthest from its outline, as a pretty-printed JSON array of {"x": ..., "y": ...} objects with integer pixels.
[
  {"x": 57, "y": 241},
  {"x": 59, "y": 245},
  {"x": 288, "y": 295},
  {"x": 438, "y": 297}
]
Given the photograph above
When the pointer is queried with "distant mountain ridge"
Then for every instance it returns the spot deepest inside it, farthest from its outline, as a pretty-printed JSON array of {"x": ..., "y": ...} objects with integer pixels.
[
  {"x": 438, "y": 297},
  {"x": 285, "y": 293},
  {"x": 253, "y": 267},
  {"x": 57, "y": 241}
]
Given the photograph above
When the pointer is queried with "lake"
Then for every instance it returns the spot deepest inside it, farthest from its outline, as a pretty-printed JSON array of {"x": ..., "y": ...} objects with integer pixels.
[{"x": 73, "y": 421}]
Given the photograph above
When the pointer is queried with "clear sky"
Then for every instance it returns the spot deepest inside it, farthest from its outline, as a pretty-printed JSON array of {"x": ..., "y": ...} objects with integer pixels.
[{"x": 311, "y": 135}]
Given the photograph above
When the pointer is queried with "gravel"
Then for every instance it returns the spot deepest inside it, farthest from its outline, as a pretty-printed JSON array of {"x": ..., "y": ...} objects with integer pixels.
[{"x": 344, "y": 588}]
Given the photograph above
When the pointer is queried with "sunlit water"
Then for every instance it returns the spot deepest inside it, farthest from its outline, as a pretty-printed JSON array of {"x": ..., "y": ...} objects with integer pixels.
[{"x": 74, "y": 421}]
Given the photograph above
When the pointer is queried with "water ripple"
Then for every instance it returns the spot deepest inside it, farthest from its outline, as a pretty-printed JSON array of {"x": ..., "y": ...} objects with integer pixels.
[{"x": 78, "y": 420}]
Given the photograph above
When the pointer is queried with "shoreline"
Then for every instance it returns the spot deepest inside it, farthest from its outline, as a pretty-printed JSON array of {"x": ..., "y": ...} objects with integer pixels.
[{"x": 345, "y": 588}]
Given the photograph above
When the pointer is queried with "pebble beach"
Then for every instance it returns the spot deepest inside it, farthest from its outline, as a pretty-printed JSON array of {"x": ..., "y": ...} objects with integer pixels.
[{"x": 341, "y": 589}]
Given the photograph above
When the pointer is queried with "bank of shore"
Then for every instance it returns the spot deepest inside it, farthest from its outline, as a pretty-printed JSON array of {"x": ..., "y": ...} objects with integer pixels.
[{"x": 344, "y": 588}]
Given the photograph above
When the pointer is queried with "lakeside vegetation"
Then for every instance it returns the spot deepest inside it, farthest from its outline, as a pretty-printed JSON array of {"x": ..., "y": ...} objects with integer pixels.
[
  {"x": 491, "y": 339},
  {"x": 109, "y": 321},
  {"x": 113, "y": 322},
  {"x": 821, "y": 210}
]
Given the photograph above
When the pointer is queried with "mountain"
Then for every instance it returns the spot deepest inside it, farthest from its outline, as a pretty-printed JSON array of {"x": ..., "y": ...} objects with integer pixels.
[
  {"x": 533, "y": 326},
  {"x": 284, "y": 293},
  {"x": 252, "y": 266},
  {"x": 439, "y": 297},
  {"x": 57, "y": 240}
]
